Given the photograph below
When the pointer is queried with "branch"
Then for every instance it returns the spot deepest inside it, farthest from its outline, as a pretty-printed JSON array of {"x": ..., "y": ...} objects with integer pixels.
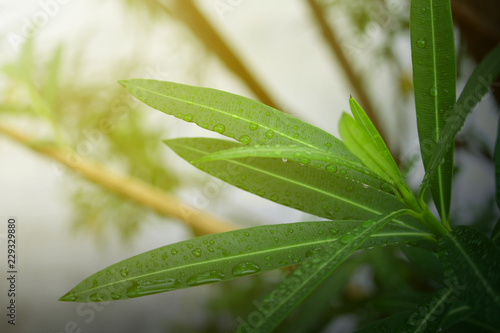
[
  {"x": 126, "y": 186},
  {"x": 333, "y": 43}
]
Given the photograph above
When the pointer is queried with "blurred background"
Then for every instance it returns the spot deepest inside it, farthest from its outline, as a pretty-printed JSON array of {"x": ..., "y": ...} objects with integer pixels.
[{"x": 73, "y": 142}]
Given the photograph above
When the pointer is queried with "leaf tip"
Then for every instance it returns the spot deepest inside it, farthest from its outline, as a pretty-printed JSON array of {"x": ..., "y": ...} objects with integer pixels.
[
  {"x": 68, "y": 297},
  {"x": 123, "y": 83}
]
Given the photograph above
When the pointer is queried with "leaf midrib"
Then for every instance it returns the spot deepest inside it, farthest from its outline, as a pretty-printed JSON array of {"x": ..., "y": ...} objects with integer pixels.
[
  {"x": 305, "y": 186},
  {"x": 476, "y": 270},
  {"x": 212, "y": 261},
  {"x": 230, "y": 114}
]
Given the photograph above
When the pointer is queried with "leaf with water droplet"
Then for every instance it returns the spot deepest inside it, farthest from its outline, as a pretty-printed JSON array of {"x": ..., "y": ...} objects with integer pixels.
[
  {"x": 232, "y": 114},
  {"x": 472, "y": 269},
  {"x": 268, "y": 178},
  {"x": 312, "y": 273},
  {"x": 434, "y": 70},
  {"x": 231, "y": 254}
]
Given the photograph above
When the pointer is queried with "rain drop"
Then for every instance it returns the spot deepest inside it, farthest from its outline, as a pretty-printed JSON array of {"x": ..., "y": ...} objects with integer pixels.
[
  {"x": 331, "y": 168},
  {"x": 343, "y": 171},
  {"x": 349, "y": 188},
  {"x": 253, "y": 127},
  {"x": 296, "y": 135},
  {"x": 245, "y": 139},
  {"x": 274, "y": 197},
  {"x": 312, "y": 252},
  {"x": 207, "y": 277},
  {"x": 333, "y": 231},
  {"x": 196, "y": 252},
  {"x": 116, "y": 296},
  {"x": 70, "y": 297},
  {"x": 245, "y": 268},
  {"x": 188, "y": 117},
  {"x": 219, "y": 128},
  {"x": 210, "y": 248},
  {"x": 433, "y": 91},
  {"x": 346, "y": 239},
  {"x": 124, "y": 272},
  {"x": 421, "y": 43},
  {"x": 174, "y": 251},
  {"x": 270, "y": 134}
]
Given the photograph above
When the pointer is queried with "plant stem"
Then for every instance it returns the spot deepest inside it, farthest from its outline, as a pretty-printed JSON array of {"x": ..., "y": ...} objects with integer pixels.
[
  {"x": 126, "y": 186},
  {"x": 420, "y": 210}
]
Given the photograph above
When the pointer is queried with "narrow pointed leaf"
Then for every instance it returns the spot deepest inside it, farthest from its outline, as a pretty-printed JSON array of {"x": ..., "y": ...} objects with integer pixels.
[
  {"x": 332, "y": 194},
  {"x": 495, "y": 234},
  {"x": 497, "y": 163},
  {"x": 470, "y": 262},
  {"x": 310, "y": 275},
  {"x": 476, "y": 87},
  {"x": 363, "y": 146},
  {"x": 434, "y": 81},
  {"x": 234, "y": 116},
  {"x": 318, "y": 158},
  {"x": 363, "y": 120},
  {"x": 222, "y": 257},
  {"x": 429, "y": 315}
]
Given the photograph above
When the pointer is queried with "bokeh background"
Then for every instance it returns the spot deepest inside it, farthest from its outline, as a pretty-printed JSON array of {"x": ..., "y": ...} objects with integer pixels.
[{"x": 59, "y": 63}]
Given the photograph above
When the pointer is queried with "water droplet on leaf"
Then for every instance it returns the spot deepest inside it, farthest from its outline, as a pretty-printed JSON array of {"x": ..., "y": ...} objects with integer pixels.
[
  {"x": 245, "y": 139},
  {"x": 421, "y": 43},
  {"x": 207, "y": 277},
  {"x": 245, "y": 268},
  {"x": 219, "y": 128},
  {"x": 196, "y": 252},
  {"x": 124, "y": 272}
]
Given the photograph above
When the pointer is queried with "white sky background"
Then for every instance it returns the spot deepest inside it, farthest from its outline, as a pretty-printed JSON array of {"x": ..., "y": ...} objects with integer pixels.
[{"x": 276, "y": 40}]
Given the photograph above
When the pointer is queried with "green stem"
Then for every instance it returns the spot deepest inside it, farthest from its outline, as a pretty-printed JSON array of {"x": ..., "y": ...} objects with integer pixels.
[{"x": 420, "y": 210}]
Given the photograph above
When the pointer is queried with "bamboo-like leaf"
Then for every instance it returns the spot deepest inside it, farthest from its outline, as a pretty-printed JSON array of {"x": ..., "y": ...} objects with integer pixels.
[
  {"x": 222, "y": 257},
  {"x": 332, "y": 195},
  {"x": 429, "y": 316},
  {"x": 434, "y": 81},
  {"x": 476, "y": 87},
  {"x": 234, "y": 116},
  {"x": 362, "y": 145},
  {"x": 470, "y": 262},
  {"x": 362, "y": 119},
  {"x": 320, "y": 159},
  {"x": 310, "y": 275}
]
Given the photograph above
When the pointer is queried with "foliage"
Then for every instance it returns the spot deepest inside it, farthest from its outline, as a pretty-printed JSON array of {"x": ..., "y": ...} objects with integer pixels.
[{"x": 354, "y": 183}]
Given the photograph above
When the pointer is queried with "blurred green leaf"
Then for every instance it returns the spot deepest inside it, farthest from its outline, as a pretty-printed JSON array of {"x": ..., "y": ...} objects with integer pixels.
[{"x": 471, "y": 266}]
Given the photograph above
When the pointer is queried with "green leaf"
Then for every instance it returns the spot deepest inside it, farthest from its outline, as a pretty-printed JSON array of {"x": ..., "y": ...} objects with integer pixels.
[
  {"x": 429, "y": 315},
  {"x": 495, "y": 234},
  {"x": 470, "y": 262},
  {"x": 362, "y": 145},
  {"x": 332, "y": 195},
  {"x": 383, "y": 152},
  {"x": 320, "y": 159},
  {"x": 476, "y": 87},
  {"x": 234, "y": 116},
  {"x": 497, "y": 164},
  {"x": 309, "y": 276},
  {"x": 317, "y": 308},
  {"x": 222, "y": 257},
  {"x": 389, "y": 324},
  {"x": 434, "y": 81}
]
